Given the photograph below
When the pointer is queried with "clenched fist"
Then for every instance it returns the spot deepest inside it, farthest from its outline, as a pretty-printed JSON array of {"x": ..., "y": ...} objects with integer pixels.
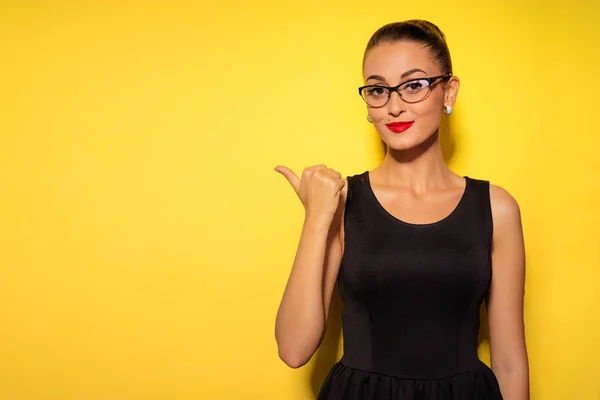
[{"x": 319, "y": 189}]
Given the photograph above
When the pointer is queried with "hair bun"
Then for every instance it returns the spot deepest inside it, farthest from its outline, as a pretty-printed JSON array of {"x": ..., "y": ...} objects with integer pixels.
[{"x": 419, "y": 31}]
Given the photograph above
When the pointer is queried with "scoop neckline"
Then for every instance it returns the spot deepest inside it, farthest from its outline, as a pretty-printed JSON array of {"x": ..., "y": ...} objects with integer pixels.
[{"x": 389, "y": 215}]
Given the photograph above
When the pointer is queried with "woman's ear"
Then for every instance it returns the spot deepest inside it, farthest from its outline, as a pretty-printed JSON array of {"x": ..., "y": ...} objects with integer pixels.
[{"x": 451, "y": 91}]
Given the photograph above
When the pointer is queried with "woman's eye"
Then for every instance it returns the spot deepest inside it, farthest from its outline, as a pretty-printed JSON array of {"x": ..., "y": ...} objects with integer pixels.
[
  {"x": 415, "y": 86},
  {"x": 376, "y": 92}
]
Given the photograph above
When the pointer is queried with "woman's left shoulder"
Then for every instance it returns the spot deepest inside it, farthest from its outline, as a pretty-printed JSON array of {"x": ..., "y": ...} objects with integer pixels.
[{"x": 504, "y": 205}]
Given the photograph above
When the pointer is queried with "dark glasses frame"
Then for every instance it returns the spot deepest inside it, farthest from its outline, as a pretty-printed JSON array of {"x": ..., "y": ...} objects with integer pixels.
[{"x": 396, "y": 88}]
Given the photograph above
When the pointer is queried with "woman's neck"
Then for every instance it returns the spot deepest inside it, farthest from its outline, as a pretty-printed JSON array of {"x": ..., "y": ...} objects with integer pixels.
[{"x": 420, "y": 168}]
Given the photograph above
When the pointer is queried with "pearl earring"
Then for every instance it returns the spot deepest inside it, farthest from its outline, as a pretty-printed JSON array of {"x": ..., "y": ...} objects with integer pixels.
[
  {"x": 369, "y": 119},
  {"x": 448, "y": 110}
]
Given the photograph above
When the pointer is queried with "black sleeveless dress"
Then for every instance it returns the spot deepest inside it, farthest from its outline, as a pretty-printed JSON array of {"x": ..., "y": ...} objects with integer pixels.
[{"x": 411, "y": 295}]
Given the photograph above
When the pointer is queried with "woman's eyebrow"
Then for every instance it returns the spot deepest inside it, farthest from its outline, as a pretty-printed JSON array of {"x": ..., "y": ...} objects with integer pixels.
[
  {"x": 379, "y": 78},
  {"x": 404, "y": 75},
  {"x": 410, "y": 72}
]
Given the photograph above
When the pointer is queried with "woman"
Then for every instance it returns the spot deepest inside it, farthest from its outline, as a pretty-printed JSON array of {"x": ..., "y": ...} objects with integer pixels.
[{"x": 412, "y": 246}]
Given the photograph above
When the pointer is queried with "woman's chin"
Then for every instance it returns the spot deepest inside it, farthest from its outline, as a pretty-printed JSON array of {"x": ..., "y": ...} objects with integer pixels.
[
  {"x": 406, "y": 141},
  {"x": 402, "y": 143}
]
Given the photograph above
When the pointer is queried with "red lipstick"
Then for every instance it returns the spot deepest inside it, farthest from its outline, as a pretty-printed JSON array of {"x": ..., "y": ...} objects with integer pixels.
[{"x": 398, "y": 127}]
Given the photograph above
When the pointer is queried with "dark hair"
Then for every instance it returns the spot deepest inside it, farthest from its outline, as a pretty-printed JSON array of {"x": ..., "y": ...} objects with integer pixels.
[{"x": 419, "y": 31}]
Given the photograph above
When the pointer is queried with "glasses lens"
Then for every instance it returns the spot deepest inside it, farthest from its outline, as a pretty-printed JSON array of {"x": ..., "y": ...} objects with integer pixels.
[
  {"x": 415, "y": 90},
  {"x": 375, "y": 96}
]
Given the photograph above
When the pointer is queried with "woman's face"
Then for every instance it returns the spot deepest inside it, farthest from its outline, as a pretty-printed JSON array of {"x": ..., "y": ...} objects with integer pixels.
[{"x": 390, "y": 64}]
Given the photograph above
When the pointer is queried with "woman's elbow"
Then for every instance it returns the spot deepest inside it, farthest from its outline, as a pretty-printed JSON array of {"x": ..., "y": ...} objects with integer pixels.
[
  {"x": 295, "y": 354},
  {"x": 293, "y": 359},
  {"x": 297, "y": 350}
]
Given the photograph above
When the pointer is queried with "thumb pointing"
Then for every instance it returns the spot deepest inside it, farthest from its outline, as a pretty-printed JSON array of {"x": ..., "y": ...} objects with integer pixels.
[{"x": 292, "y": 178}]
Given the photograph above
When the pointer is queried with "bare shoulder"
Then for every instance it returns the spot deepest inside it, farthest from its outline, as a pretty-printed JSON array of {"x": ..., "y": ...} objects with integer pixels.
[
  {"x": 339, "y": 217},
  {"x": 345, "y": 189},
  {"x": 342, "y": 201},
  {"x": 506, "y": 212}
]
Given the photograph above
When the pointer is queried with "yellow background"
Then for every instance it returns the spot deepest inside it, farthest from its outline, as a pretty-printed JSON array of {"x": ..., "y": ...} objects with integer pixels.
[{"x": 145, "y": 238}]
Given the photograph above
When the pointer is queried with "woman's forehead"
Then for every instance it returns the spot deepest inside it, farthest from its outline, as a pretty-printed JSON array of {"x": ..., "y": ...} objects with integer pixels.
[{"x": 392, "y": 60}]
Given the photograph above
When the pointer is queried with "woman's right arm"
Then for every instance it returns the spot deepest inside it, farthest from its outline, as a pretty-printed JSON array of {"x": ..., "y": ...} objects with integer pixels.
[{"x": 304, "y": 309}]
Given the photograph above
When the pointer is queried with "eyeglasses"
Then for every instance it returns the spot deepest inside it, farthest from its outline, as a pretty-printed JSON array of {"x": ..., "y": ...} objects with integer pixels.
[{"x": 412, "y": 91}]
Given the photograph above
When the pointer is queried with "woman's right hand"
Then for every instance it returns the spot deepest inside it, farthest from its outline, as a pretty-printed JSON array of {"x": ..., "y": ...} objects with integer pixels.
[
  {"x": 302, "y": 316},
  {"x": 319, "y": 190}
]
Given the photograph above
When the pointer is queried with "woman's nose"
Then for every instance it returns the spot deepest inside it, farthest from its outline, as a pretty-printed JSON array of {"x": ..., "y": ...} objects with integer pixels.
[{"x": 396, "y": 105}]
